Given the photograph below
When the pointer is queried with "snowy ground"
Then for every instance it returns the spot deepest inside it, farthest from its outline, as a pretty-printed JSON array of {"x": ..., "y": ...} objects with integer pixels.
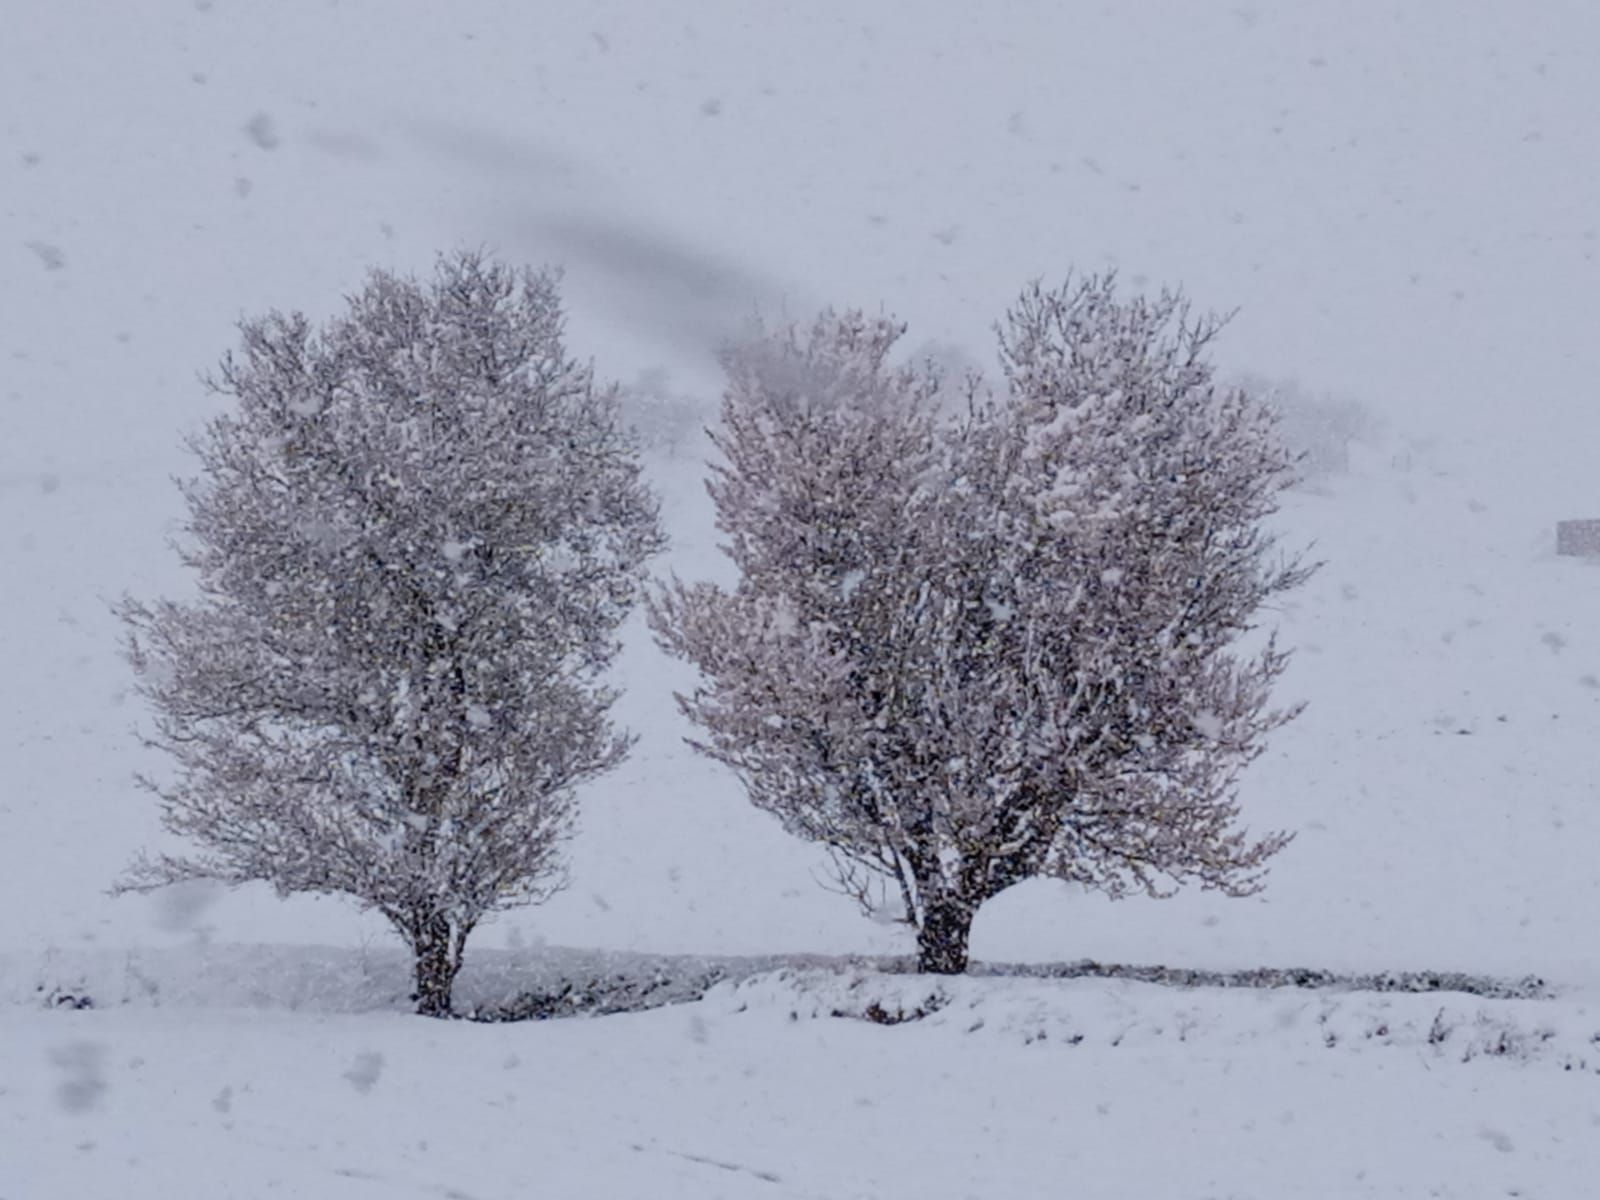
[
  {"x": 1400, "y": 198},
  {"x": 792, "y": 1085}
]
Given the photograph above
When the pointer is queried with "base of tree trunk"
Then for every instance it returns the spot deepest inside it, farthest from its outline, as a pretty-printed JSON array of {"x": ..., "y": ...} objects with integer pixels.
[
  {"x": 435, "y": 970},
  {"x": 434, "y": 1003},
  {"x": 942, "y": 939}
]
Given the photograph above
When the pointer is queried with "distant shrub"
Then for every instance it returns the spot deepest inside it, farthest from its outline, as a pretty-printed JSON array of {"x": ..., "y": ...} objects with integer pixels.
[
  {"x": 660, "y": 417},
  {"x": 1317, "y": 426}
]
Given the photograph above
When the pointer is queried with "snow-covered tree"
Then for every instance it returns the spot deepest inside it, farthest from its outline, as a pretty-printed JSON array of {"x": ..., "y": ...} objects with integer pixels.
[
  {"x": 966, "y": 651},
  {"x": 416, "y": 531}
]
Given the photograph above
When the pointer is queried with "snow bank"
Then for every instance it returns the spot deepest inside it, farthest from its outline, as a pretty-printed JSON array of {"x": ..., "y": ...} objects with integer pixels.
[{"x": 1445, "y": 1027}]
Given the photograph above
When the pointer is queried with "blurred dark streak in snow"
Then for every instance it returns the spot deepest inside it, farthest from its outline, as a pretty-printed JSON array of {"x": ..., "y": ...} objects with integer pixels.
[
  {"x": 652, "y": 282},
  {"x": 547, "y": 206}
]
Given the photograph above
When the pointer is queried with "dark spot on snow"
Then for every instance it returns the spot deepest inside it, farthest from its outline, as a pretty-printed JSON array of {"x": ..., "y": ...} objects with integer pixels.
[
  {"x": 50, "y": 255},
  {"x": 82, "y": 1065},
  {"x": 261, "y": 130},
  {"x": 242, "y": 186},
  {"x": 365, "y": 1070},
  {"x": 223, "y": 1101},
  {"x": 1439, "y": 1031},
  {"x": 711, "y": 107},
  {"x": 1498, "y": 1140},
  {"x": 877, "y": 1014},
  {"x": 74, "y": 999}
]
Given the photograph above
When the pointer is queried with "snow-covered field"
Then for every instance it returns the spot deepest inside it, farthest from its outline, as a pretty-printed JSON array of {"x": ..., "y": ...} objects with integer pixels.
[
  {"x": 1401, "y": 201},
  {"x": 1021, "y": 1090}
]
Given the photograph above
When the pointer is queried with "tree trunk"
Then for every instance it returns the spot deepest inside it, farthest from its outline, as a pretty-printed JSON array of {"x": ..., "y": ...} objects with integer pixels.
[
  {"x": 942, "y": 937},
  {"x": 436, "y": 966}
]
